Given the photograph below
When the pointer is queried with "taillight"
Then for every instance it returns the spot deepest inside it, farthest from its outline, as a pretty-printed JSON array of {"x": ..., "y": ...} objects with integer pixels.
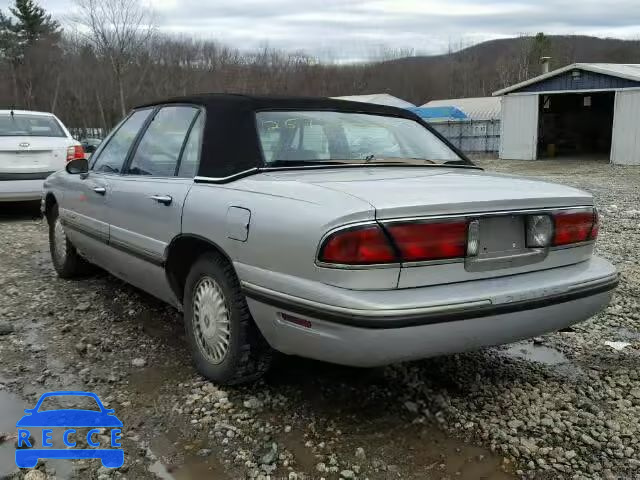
[
  {"x": 575, "y": 227},
  {"x": 75, "y": 152},
  {"x": 429, "y": 241},
  {"x": 362, "y": 245},
  {"x": 420, "y": 241}
]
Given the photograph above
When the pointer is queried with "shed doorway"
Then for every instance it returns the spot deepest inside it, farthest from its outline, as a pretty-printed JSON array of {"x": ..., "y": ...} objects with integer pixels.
[{"x": 576, "y": 125}]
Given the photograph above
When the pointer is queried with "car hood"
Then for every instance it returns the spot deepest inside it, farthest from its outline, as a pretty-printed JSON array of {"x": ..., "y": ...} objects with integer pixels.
[
  {"x": 402, "y": 191},
  {"x": 69, "y": 418}
]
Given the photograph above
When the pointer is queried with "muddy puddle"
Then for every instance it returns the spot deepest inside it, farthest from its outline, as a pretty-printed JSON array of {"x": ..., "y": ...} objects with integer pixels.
[
  {"x": 192, "y": 468},
  {"x": 551, "y": 357},
  {"x": 11, "y": 410}
]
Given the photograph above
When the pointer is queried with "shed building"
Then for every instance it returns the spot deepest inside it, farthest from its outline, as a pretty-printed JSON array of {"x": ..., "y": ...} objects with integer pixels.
[{"x": 589, "y": 110}]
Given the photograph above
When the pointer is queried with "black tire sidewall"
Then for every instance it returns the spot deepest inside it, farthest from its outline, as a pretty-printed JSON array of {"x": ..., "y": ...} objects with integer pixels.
[
  {"x": 213, "y": 267},
  {"x": 62, "y": 269}
]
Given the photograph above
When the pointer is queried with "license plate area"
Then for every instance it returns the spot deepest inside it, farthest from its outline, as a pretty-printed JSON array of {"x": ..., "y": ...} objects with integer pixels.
[
  {"x": 502, "y": 244},
  {"x": 501, "y": 236}
]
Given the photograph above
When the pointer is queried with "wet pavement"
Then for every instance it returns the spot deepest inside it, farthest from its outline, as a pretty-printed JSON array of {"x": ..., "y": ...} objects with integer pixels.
[{"x": 11, "y": 409}]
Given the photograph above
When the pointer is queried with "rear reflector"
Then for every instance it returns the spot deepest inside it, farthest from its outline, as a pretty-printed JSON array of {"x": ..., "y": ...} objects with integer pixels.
[
  {"x": 430, "y": 241},
  {"x": 575, "y": 227},
  {"x": 75, "y": 152},
  {"x": 364, "y": 245},
  {"x": 301, "y": 322}
]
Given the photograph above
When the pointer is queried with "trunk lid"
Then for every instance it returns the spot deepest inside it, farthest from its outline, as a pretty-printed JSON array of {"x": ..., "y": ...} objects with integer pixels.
[
  {"x": 497, "y": 201},
  {"x": 407, "y": 192},
  {"x": 27, "y": 154}
]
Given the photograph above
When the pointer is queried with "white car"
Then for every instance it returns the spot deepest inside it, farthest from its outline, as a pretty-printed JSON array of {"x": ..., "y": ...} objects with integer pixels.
[{"x": 33, "y": 145}]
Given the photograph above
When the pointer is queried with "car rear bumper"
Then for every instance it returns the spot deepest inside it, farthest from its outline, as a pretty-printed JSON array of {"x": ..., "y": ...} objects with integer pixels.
[
  {"x": 415, "y": 323},
  {"x": 20, "y": 190}
]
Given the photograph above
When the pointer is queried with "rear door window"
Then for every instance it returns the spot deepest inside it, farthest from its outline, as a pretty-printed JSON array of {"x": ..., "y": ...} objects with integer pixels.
[
  {"x": 112, "y": 157},
  {"x": 160, "y": 146},
  {"x": 191, "y": 154}
]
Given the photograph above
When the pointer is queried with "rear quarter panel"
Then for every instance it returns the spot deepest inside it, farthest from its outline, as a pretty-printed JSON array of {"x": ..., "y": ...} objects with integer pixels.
[{"x": 288, "y": 220}]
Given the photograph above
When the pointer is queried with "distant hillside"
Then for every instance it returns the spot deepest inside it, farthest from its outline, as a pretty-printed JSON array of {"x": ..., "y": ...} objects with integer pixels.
[{"x": 480, "y": 69}]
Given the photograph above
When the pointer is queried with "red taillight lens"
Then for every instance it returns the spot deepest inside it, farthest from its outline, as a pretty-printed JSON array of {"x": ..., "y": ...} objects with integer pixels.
[
  {"x": 75, "y": 152},
  {"x": 574, "y": 227},
  {"x": 430, "y": 241},
  {"x": 366, "y": 245}
]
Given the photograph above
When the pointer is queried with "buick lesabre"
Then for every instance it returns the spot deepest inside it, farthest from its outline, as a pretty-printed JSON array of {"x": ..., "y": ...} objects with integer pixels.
[{"x": 344, "y": 232}]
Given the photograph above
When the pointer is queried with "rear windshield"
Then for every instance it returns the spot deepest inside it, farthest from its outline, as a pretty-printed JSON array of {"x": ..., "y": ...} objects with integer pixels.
[
  {"x": 18, "y": 125},
  {"x": 339, "y": 137}
]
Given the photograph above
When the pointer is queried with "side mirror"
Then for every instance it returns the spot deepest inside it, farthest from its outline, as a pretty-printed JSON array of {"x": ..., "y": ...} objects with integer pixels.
[
  {"x": 77, "y": 166},
  {"x": 90, "y": 148}
]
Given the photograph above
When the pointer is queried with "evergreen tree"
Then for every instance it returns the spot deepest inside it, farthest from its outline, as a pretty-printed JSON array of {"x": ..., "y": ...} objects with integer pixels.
[
  {"x": 540, "y": 47},
  {"x": 32, "y": 21},
  {"x": 8, "y": 37}
]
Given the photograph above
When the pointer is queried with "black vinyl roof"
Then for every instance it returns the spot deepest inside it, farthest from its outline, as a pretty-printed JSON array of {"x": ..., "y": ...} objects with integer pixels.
[{"x": 230, "y": 142}]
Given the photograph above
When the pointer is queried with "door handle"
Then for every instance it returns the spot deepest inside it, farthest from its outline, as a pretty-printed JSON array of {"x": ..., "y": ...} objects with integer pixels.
[
  {"x": 164, "y": 199},
  {"x": 100, "y": 190}
]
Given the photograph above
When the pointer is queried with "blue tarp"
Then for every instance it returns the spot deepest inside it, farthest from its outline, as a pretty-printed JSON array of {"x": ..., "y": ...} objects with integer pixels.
[{"x": 439, "y": 113}]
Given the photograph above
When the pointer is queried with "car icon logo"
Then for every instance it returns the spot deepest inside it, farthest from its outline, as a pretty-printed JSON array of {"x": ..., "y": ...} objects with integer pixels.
[
  {"x": 24, "y": 145},
  {"x": 69, "y": 420}
]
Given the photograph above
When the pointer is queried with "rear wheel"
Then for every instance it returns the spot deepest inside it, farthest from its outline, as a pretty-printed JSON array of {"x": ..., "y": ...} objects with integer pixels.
[
  {"x": 66, "y": 260},
  {"x": 226, "y": 345}
]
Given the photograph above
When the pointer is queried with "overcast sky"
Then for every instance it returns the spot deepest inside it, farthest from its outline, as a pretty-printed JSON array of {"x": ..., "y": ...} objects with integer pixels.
[{"x": 353, "y": 29}]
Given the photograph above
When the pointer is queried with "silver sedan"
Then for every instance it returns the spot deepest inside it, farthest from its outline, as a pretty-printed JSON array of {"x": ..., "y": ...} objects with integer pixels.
[{"x": 340, "y": 231}]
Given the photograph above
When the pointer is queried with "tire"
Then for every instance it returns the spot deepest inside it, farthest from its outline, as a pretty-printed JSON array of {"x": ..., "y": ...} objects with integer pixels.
[
  {"x": 65, "y": 258},
  {"x": 231, "y": 349}
]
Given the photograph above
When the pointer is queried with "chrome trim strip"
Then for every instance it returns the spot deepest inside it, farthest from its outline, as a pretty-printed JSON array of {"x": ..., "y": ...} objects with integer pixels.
[
  {"x": 573, "y": 245},
  {"x": 381, "y": 313},
  {"x": 484, "y": 214},
  {"x": 125, "y": 247},
  {"x": 266, "y": 168},
  {"x": 86, "y": 230},
  {"x": 516, "y": 260},
  {"x": 372, "y": 266},
  {"x": 595, "y": 283},
  {"x": 229, "y": 178},
  {"x": 425, "y": 263}
]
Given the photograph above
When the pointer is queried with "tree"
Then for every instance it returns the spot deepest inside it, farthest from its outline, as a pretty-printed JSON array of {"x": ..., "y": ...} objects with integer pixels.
[
  {"x": 540, "y": 47},
  {"x": 118, "y": 30},
  {"x": 8, "y": 39},
  {"x": 33, "y": 22},
  {"x": 28, "y": 45}
]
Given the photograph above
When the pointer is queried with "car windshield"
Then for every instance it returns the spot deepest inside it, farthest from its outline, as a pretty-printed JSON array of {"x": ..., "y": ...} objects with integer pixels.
[
  {"x": 20, "y": 125},
  {"x": 318, "y": 137}
]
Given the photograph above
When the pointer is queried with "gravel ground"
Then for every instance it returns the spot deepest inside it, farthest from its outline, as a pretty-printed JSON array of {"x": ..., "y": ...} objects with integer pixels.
[{"x": 566, "y": 405}]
